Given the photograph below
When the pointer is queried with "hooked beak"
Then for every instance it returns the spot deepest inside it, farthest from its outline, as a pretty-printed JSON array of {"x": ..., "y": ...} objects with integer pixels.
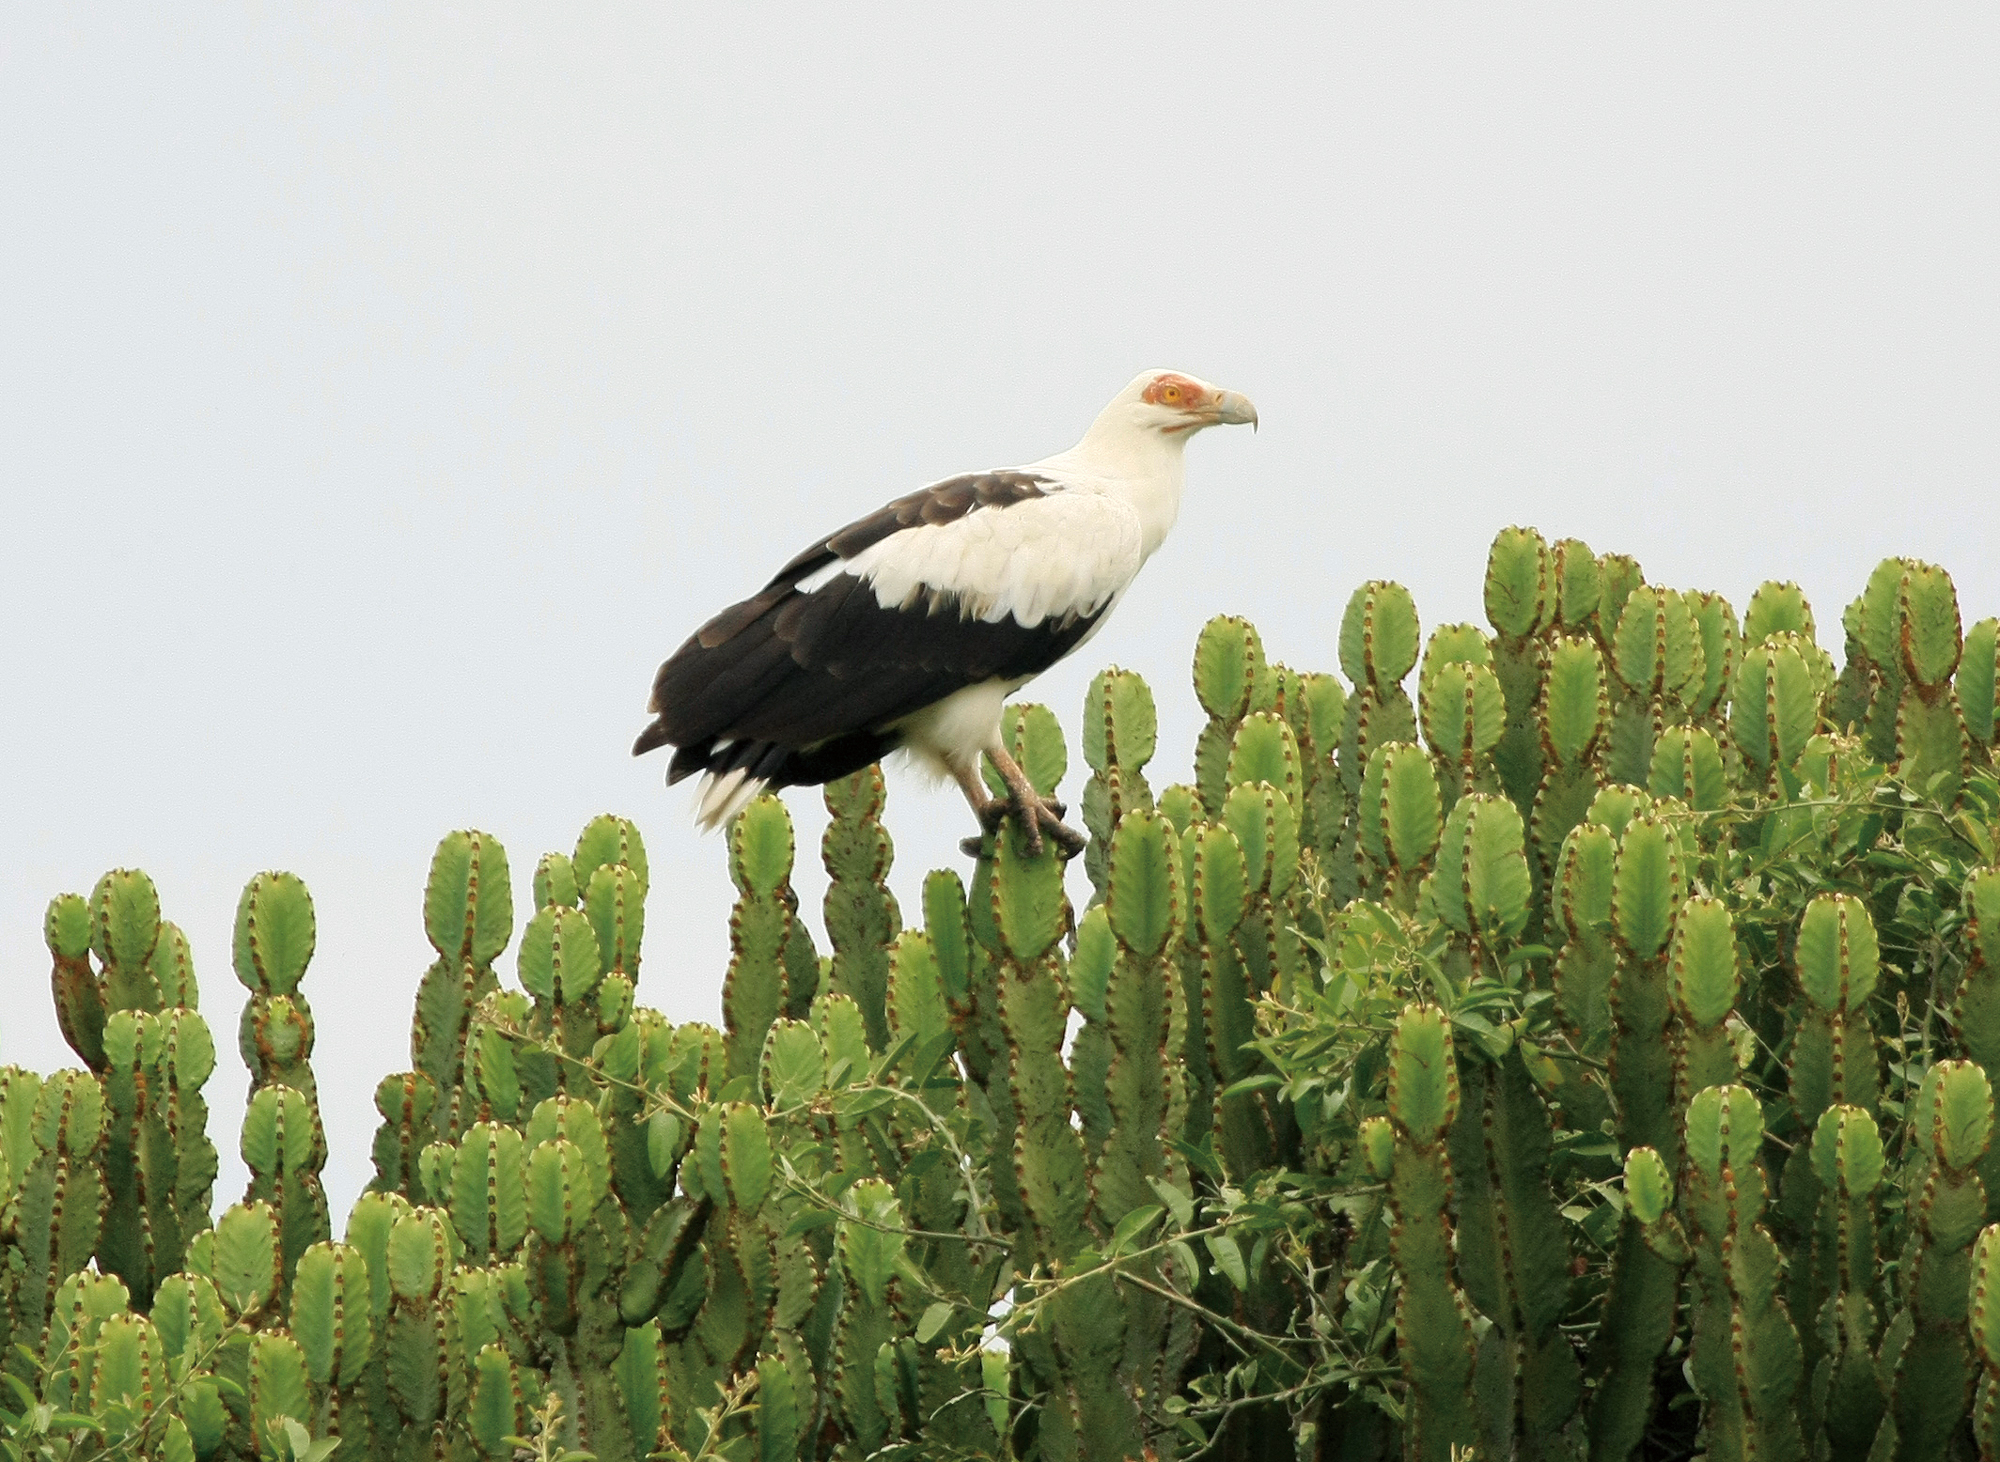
[{"x": 1232, "y": 408}]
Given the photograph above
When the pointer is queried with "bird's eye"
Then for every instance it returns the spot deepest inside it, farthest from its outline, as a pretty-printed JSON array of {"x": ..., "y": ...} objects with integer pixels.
[{"x": 1170, "y": 394}]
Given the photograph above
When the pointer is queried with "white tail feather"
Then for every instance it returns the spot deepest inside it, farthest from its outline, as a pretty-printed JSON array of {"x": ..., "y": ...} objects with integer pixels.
[{"x": 721, "y": 798}]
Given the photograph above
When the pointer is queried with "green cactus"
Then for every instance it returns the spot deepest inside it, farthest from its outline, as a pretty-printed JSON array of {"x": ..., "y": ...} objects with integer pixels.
[
  {"x": 1645, "y": 885},
  {"x": 1322, "y": 702},
  {"x": 1745, "y": 1358},
  {"x": 1482, "y": 887},
  {"x": 1029, "y": 913},
  {"x": 1228, "y": 662},
  {"x": 1873, "y": 681},
  {"x": 1984, "y": 1314},
  {"x": 861, "y": 914},
  {"x": 1705, "y": 981},
  {"x": 1833, "y": 1054},
  {"x": 1581, "y": 895},
  {"x": 755, "y": 991},
  {"x": 1924, "y": 1352},
  {"x": 1432, "y": 1315},
  {"x": 332, "y": 1323},
  {"x": 1399, "y": 821},
  {"x": 1120, "y": 734},
  {"x": 1977, "y": 688},
  {"x": 1975, "y": 1014},
  {"x": 1379, "y": 640},
  {"x": 58, "y": 1208},
  {"x": 1527, "y": 590},
  {"x": 1512, "y": 1251},
  {"x": 1264, "y": 808},
  {"x": 1932, "y": 743},
  {"x": 1572, "y": 720},
  {"x": 1463, "y": 710},
  {"x": 1846, "y": 1395},
  {"x": 1618, "y": 575},
  {"x": 1219, "y": 882},
  {"x": 1662, "y": 667},
  {"x": 787, "y": 1239},
  {"x": 1124, "y": 1353},
  {"x": 131, "y": 1018},
  {"x": 469, "y": 919}
]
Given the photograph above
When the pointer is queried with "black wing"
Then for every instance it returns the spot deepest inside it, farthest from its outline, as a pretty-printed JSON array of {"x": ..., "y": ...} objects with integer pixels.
[{"x": 797, "y": 686}]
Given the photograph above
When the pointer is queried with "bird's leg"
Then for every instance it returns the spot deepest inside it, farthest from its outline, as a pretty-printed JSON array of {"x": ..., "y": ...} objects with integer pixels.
[
  {"x": 989, "y": 810},
  {"x": 1037, "y": 814}
]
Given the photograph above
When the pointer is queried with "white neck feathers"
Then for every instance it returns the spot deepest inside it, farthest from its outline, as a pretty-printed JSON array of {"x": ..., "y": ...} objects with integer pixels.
[{"x": 1117, "y": 457}]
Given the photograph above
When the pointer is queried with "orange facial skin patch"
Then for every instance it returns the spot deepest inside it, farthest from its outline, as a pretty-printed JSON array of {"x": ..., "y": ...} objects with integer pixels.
[{"x": 1173, "y": 390}]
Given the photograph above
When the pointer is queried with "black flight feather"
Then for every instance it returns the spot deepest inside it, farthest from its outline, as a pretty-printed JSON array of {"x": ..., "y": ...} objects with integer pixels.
[{"x": 801, "y": 687}]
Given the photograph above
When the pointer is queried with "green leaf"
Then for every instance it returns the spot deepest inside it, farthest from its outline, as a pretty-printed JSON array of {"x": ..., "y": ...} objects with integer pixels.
[
  {"x": 1177, "y": 1201},
  {"x": 1228, "y": 1258},
  {"x": 1131, "y": 1226},
  {"x": 934, "y": 1319}
]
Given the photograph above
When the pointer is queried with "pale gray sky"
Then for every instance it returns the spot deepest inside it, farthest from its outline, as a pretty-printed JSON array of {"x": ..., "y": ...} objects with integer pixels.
[{"x": 384, "y": 391}]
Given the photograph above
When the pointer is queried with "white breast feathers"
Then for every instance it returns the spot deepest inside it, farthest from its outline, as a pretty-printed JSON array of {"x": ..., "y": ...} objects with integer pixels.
[{"x": 1056, "y": 557}]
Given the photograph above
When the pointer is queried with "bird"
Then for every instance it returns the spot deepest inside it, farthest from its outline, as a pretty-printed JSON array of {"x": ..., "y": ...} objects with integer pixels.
[{"x": 909, "y": 628}]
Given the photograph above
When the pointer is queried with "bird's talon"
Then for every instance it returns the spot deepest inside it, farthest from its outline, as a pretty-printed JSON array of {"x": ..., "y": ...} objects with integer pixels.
[{"x": 1034, "y": 829}]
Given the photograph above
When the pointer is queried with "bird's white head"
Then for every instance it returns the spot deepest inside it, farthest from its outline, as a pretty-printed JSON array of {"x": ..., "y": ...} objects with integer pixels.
[{"x": 1175, "y": 405}]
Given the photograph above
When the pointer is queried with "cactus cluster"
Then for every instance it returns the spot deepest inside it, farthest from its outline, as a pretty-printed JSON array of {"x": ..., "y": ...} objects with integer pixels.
[{"x": 1572, "y": 1037}]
